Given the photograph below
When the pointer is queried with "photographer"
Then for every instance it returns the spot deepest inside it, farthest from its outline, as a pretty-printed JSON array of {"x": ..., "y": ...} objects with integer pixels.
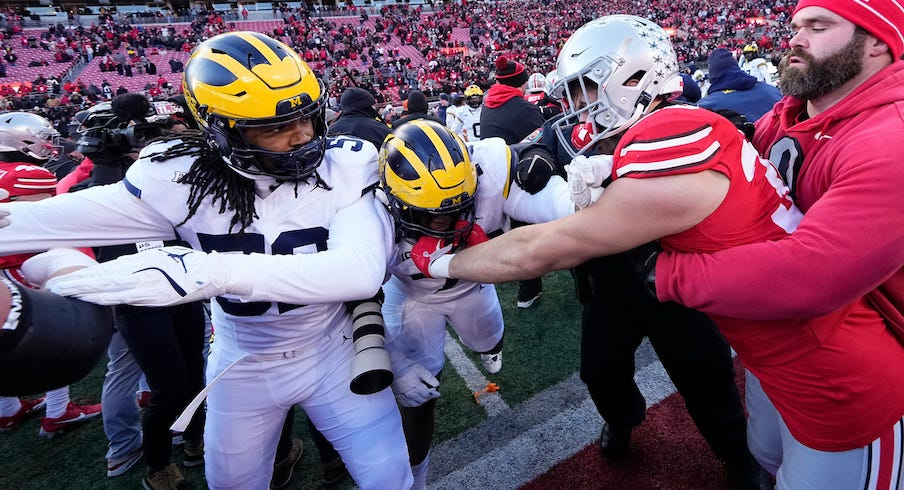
[{"x": 166, "y": 343}]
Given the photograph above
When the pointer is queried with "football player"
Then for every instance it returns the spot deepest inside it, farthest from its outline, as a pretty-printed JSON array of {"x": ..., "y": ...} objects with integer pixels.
[
  {"x": 687, "y": 177},
  {"x": 27, "y": 140},
  {"x": 284, "y": 228},
  {"x": 439, "y": 187},
  {"x": 465, "y": 121},
  {"x": 752, "y": 64}
]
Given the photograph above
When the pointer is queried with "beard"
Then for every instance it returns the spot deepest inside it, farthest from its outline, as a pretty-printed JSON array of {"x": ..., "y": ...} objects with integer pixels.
[{"x": 822, "y": 76}]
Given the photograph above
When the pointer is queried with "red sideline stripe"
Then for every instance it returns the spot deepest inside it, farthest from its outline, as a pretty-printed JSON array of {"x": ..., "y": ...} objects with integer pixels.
[{"x": 667, "y": 452}]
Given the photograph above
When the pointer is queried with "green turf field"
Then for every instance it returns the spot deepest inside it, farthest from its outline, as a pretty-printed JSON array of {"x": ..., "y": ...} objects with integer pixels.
[{"x": 541, "y": 349}]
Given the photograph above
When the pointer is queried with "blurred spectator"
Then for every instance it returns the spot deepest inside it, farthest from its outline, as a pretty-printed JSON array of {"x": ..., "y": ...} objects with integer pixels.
[
  {"x": 733, "y": 89},
  {"x": 357, "y": 117}
]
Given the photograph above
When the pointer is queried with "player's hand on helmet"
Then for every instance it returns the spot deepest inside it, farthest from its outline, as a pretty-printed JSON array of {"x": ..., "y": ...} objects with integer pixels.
[
  {"x": 159, "y": 277},
  {"x": 475, "y": 237},
  {"x": 41, "y": 267},
  {"x": 534, "y": 169},
  {"x": 415, "y": 386},
  {"x": 427, "y": 251},
  {"x": 585, "y": 174}
]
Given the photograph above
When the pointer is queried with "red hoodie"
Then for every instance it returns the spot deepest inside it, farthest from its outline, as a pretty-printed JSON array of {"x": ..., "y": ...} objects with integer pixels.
[{"x": 847, "y": 177}]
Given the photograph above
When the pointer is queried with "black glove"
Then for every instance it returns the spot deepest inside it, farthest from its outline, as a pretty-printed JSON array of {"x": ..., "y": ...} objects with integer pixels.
[
  {"x": 740, "y": 121},
  {"x": 534, "y": 169},
  {"x": 643, "y": 259}
]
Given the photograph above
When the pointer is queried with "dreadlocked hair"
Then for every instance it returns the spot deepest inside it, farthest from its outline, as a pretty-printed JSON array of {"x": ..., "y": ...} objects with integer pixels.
[{"x": 210, "y": 176}]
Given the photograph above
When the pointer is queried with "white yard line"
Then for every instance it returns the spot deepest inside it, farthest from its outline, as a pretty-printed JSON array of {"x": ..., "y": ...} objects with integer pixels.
[
  {"x": 474, "y": 378},
  {"x": 507, "y": 452}
]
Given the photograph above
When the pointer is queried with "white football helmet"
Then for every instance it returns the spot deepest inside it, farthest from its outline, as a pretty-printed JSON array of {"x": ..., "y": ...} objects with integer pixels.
[
  {"x": 610, "y": 71},
  {"x": 536, "y": 83},
  {"x": 29, "y": 134},
  {"x": 549, "y": 87}
]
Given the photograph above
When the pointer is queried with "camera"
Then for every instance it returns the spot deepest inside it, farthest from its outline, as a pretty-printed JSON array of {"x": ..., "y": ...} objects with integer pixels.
[{"x": 126, "y": 123}]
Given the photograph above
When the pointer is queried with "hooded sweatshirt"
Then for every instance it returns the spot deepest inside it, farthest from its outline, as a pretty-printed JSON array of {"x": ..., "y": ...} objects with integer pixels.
[
  {"x": 850, "y": 243},
  {"x": 733, "y": 89},
  {"x": 508, "y": 115}
]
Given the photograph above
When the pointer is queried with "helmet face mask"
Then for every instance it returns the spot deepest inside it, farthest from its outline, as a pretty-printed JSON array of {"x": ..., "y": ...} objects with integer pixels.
[
  {"x": 427, "y": 173},
  {"x": 474, "y": 96},
  {"x": 609, "y": 72},
  {"x": 29, "y": 134},
  {"x": 242, "y": 80}
]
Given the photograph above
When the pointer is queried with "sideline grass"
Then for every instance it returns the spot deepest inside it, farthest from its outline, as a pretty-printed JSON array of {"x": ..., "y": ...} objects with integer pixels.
[{"x": 541, "y": 349}]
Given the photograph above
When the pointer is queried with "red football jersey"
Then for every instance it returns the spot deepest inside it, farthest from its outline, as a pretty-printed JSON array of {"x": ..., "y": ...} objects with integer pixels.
[
  {"x": 684, "y": 139},
  {"x": 806, "y": 366}
]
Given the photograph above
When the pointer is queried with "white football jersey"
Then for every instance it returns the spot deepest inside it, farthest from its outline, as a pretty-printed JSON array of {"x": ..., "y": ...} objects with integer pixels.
[
  {"x": 308, "y": 253},
  {"x": 498, "y": 199},
  {"x": 465, "y": 122}
]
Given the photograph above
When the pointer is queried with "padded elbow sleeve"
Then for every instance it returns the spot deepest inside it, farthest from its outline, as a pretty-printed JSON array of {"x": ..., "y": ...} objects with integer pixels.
[{"x": 49, "y": 341}]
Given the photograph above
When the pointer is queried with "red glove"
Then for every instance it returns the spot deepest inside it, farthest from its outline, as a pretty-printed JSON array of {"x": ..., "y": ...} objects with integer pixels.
[
  {"x": 476, "y": 237},
  {"x": 426, "y": 250}
]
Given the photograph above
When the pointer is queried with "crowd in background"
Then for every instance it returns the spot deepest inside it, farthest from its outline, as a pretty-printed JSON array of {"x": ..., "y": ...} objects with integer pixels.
[{"x": 454, "y": 47}]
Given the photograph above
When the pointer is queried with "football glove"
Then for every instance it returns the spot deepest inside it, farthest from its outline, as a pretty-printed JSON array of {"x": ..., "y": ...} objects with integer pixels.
[
  {"x": 586, "y": 173},
  {"x": 425, "y": 254},
  {"x": 159, "y": 277},
  {"x": 39, "y": 268},
  {"x": 476, "y": 237},
  {"x": 534, "y": 169},
  {"x": 415, "y": 386}
]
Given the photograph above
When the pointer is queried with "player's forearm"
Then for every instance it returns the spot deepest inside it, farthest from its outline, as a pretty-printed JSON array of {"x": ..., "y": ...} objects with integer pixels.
[
  {"x": 516, "y": 255},
  {"x": 100, "y": 216}
]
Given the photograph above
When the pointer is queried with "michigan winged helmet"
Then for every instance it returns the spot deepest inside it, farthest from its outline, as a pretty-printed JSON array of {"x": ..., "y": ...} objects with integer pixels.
[
  {"x": 426, "y": 172},
  {"x": 242, "y": 80}
]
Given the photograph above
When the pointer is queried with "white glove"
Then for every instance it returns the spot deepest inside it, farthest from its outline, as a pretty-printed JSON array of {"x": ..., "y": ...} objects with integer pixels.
[
  {"x": 159, "y": 277},
  {"x": 41, "y": 267},
  {"x": 586, "y": 173},
  {"x": 415, "y": 386}
]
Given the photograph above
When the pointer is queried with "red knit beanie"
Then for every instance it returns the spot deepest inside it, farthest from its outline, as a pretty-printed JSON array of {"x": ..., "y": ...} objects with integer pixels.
[
  {"x": 881, "y": 18},
  {"x": 509, "y": 72}
]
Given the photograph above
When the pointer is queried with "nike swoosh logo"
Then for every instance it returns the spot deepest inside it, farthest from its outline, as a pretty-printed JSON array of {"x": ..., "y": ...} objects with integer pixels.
[{"x": 575, "y": 55}]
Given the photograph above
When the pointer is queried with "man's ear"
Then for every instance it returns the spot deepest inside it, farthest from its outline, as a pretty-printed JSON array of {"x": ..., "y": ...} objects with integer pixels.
[{"x": 876, "y": 47}]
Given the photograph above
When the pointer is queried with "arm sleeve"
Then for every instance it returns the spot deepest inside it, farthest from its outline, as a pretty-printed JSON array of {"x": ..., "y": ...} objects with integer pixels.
[
  {"x": 849, "y": 242},
  {"x": 353, "y": 266},
  {"x": 550, "y": 203},
  {"x": 99, "y": 216}
]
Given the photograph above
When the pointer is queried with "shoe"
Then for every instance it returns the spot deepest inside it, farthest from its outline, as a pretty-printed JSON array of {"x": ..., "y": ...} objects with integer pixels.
[
  {"x": 74, "y": 415},
  {"x": 193, "y": 454},
  {"x": 169, "y": 478},
  {"x": 334, "y": 471},
  {"x": 143, "y": 398},
  {"x": 28, "y": 407},
  {"x": 492, "y": 362},
  {"x": 747, "y": 474},
  {"x": 118, "y": 466},
  {"x": 614, "y": 441},
  {"x": 529, "y": 292},
  {"x": 282, "y": 470}
]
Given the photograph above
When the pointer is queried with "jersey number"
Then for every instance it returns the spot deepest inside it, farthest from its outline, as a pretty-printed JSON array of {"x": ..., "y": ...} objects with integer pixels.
[
  {"x": 285, "y": 244},
  {"x": 786, "y": 154}
]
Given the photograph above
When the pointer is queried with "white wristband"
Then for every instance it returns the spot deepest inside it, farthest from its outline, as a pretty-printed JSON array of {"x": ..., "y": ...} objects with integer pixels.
[{"x": 440, "y": 266}]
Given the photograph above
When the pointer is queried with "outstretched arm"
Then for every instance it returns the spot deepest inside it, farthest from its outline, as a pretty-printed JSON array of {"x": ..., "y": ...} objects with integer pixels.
[
  {"x": 850, "y": 241},
  {"x": 630, "y": 213}
]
